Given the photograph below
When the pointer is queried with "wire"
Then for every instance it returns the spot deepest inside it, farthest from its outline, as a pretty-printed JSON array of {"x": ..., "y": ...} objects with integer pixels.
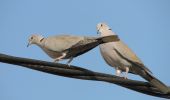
[{"x": 83, "y": 74}]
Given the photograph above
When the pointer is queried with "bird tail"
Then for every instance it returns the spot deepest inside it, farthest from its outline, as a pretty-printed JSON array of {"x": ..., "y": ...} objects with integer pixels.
[
  {"x": 144, "y": 72},
  {"x": 147, "y": 75},
  {"x": 110, "y": 38}
]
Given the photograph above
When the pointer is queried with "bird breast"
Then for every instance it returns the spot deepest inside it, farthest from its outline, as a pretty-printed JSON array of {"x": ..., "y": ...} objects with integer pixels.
[
  {"x": 111, "y": 57},
  {"x": 52, "y": 54}
]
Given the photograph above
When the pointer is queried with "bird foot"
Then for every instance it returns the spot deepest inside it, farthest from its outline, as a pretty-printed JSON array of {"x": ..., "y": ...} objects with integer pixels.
[
  {"x": 57, "y": 60},
  {"x": 68, "y": 65},
  {"x": 125, "y": 77}
]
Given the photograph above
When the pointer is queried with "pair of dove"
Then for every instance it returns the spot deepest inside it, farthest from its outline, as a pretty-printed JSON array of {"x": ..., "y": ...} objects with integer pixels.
[{"x": 114, "y": 51}]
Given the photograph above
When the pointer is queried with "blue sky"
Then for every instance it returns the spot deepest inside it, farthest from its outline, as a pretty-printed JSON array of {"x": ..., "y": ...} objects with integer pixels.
[{"x": 142, "y": 24}]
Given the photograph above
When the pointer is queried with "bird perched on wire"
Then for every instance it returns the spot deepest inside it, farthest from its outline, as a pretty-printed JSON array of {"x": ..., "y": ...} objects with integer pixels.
[
  {"x": 118, "y": 55},
  {"x": 68, "y": 46}
]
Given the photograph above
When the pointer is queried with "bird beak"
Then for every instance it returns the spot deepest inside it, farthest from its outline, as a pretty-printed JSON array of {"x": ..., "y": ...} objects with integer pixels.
[
  {"x": 97, "y": 31},
  {"x": 28, "y": 44}
]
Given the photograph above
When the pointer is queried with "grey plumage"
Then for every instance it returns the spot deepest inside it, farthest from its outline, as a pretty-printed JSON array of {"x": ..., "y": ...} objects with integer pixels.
[
  {"x": 122, "y": 58},
  {"x": 67, "y": 46}
]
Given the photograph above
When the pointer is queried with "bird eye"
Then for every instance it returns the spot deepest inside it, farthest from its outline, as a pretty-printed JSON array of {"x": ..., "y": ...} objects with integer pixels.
[
  {"x": 101, "y": 25},
  {"x": 31, "y": 38}
]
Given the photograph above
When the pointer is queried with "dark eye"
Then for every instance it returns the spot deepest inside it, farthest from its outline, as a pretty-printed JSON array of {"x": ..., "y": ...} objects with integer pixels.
[
  {"x": 31, "y": 38},
  {"x": 101, "y": 25}
]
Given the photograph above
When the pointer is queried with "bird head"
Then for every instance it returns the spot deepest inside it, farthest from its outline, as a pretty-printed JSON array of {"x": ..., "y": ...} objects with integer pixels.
[
  {"x": 35, "y": 39},
  {"x": 104, "y": 30},
  {"x": 101, "y": 27}
]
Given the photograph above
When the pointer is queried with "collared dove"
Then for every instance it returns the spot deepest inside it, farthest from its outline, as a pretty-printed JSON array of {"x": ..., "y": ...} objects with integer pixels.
[
  {"x": 67, "y": 46},
  {"x": 122, "y": 58}
]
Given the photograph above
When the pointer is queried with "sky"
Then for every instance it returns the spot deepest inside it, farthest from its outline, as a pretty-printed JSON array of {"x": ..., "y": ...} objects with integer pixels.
[{"x": 144, "y": 25}]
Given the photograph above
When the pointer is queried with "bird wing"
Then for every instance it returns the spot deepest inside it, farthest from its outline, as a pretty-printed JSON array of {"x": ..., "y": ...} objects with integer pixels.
[
  {"x": 89, "y": 43},
  {"x": 126, "y": 53},
  {"x": 82, "y": 46},
  {"x": 60, "y": 43}
]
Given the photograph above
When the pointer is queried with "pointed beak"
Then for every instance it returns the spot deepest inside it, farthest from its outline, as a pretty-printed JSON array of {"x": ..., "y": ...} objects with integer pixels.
[
  {"x": 28, "y": 44},
  {"x": 97, "y": 31}
]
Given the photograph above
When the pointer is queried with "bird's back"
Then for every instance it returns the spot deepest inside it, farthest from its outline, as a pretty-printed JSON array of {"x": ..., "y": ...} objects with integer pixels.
[{"x": 60, "y": 43}]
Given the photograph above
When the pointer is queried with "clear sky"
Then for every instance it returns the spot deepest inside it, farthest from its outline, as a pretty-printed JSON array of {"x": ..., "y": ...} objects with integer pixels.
[{"x": 142, "y": 24}]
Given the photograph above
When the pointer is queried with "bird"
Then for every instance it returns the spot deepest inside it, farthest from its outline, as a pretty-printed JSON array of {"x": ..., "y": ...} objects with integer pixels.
[
  {"x": 118, "y": 55},
  {"x": 61, "y": 47}
]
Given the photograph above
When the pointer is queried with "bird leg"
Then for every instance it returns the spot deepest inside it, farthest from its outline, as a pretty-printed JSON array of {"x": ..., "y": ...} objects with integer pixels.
[
  {"x": 118, "y": 71},
  {"x": 60, "y": 57},
  {"x": 68, "y": 63},
  {"x": 126, "y": 73}
]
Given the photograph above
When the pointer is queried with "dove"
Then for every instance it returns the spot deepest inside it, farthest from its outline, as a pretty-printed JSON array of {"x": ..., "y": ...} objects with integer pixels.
[
  {"x": 118, "y": 55},
  {"x": 61, "y": 47}
]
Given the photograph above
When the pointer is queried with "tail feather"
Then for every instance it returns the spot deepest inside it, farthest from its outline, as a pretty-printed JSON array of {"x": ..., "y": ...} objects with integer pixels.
[
  {"x": 157, "y": 83},
  {"x": 144, "y": 72},
  {"x": 147, "y": 75}
]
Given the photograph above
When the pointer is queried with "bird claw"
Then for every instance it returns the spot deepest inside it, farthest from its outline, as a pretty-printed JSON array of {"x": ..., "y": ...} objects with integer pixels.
[
  {"x": 68, "y": 65},
  {"x": 57, "y": 60},
  {"x": 125, "y": 77}
]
